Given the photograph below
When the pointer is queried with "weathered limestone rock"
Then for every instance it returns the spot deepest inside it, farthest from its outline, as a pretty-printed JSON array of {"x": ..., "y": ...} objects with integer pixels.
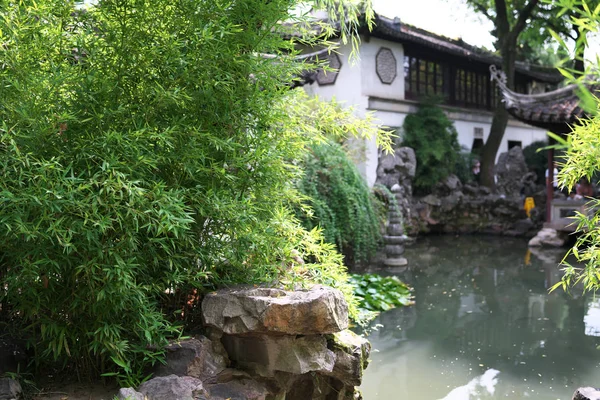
[
  {"x": 396, "y": 171},
  {"x": 200, "y": 358},
  {"x": 268, "y": 354},
  {"x": 448, "y": 185},
  {"x": 432, "y": 200},
  {"x": 394, "y": 168},
  {"x": 351, "y": 357},
  {"x": 245, "y": 389},
  {"x": 129, "y": 394},
  {"x": 521, "y": 227},
  {"x": 173, "y": 387},
  {"x": 510, "y": 170},
  {"x": 10, "y": 389},
  {"x": 586, "y": 393},
  {"x": 547, "y": 237},
  {"x": 320, "y": 310}
]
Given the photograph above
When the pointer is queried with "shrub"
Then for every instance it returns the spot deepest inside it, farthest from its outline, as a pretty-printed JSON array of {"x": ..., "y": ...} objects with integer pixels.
[
  {"x": 435, "y": 142},
  {"x": 537, "y": 159},
  {"x": 146, "y": 157},
  {"x": 464, "y": 166},
  {"x": 341, "y": 202}
]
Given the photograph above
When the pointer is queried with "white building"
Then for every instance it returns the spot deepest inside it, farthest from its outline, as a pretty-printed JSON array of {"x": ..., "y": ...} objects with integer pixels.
[{"x": 399, "y": 64}]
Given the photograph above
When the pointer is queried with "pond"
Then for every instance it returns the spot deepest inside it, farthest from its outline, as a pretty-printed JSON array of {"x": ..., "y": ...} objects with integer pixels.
[{"x": 484, "y": 326}]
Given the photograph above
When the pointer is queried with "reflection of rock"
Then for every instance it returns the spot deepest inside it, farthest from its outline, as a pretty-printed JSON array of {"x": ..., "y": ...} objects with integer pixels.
[
  {"x": 586, "y": 393},
  {"x": 476, "y": 386},
  {"x": 551, "y": 256}
]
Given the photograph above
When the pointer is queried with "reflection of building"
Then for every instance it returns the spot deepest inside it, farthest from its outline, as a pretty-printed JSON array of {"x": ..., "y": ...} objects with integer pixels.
[
  {"x": 536, "y": 307},
  {"x": 400, "y": 65},
  {"x": 592, "y": 317}
]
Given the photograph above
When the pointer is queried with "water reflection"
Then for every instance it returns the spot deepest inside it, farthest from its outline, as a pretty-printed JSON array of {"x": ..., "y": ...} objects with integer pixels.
[{"x": 484, "y": 327}]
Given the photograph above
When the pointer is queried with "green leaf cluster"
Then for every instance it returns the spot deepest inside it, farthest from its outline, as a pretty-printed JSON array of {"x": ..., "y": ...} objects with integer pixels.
[
  {"x": 582, "y": 160},
  {"x": 435, "y": 141},
  {"x": 147, "y": 156},
  {"x": 340, "y": 201},
  {"x": 378, "y": 293}
]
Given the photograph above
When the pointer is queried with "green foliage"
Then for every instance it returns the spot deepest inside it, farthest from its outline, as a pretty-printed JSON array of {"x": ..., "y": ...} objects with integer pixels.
[
  {"x": 536, "y": 157},
  {"x": 341, "y": 202},
  {"x": 377, "y": 293},
  {"x": 582, "y": 159},
  {"x": 146, "y": 155},
  {"x": 435, "y": 141},
  {"x": 464, "y": 166}
]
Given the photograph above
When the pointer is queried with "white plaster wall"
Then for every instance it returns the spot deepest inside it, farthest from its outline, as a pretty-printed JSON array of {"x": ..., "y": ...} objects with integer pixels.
[
  {"x": 348, "y": 92},
  {"x": 514, "y": 131},
  {"x": 346, "y": 88},
  {"x": 371, "y": 84},
  {"x": 358, "y": 85}
]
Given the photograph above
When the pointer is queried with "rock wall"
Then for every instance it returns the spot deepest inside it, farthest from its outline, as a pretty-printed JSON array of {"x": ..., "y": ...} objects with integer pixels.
[
  {"x": 456, "y": 208},
  {"x": 264, "y": 344}
]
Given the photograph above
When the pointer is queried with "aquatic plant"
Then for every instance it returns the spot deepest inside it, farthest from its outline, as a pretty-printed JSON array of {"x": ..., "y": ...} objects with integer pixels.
[{"x": 380, "y": 293}]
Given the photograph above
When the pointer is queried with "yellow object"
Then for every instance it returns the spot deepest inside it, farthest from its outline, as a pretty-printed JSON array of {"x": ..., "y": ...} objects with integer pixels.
[
  {"x": 529, "y": 204},
  {"x": 528, "y": 257}
]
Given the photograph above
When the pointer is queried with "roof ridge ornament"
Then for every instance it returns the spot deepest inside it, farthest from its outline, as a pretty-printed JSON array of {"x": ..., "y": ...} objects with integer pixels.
[{"x": 498, "y": 75}]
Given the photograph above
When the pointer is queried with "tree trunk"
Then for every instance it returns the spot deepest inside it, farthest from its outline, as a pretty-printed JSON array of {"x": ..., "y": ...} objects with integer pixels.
[
  {"x": 499, "y": 121},
  {"x": 492, "y": 144},
  {"x": 579, "y": 51}
]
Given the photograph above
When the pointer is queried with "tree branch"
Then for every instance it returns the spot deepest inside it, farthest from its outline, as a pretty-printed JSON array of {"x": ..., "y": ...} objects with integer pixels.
[
  {"x": 483, "y": 10},
  {"x": 522, "y": 20},
  {"x": 558, "y": 29},
  {"x": 502, "y": 24}
]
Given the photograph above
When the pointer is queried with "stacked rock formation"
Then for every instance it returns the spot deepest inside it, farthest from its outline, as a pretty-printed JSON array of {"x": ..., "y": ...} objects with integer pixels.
[
  {"x": 265, "y": 344},
  {"x": 394, "y": 238}
]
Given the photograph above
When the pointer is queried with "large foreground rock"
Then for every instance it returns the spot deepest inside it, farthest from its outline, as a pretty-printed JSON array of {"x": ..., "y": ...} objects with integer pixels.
[
  {"x": 245, "y": 389},
  {"x": 10, "y": 389},
  {"x": 351, "y": 357},
  {"x": 198, "y": 357},
  {"x": 269, "y": 354},
  {"x": 548, "y": 237},
  {"x": 129, "y": 394},
  {"x": 320, "y": 310},
  {"x": 173, "y": 387}
]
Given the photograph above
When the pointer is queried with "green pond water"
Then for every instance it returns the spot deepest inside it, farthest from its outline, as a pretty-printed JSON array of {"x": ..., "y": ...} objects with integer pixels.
[{"x": 484, "y": 326}]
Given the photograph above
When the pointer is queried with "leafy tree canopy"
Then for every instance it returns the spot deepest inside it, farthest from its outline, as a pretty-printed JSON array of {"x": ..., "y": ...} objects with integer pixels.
[{"x": 147, "y": 156}]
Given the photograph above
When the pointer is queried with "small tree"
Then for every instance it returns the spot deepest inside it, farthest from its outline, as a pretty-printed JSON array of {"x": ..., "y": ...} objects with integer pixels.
[
  {"x": 147, "y": 153},
  {"x": 435, "y": 141}
]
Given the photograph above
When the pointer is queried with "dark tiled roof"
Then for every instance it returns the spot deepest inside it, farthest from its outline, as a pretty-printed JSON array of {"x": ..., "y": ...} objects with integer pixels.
[
  {"x": 556, "y": 110},
  {"x": 394, "y": 29}
]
